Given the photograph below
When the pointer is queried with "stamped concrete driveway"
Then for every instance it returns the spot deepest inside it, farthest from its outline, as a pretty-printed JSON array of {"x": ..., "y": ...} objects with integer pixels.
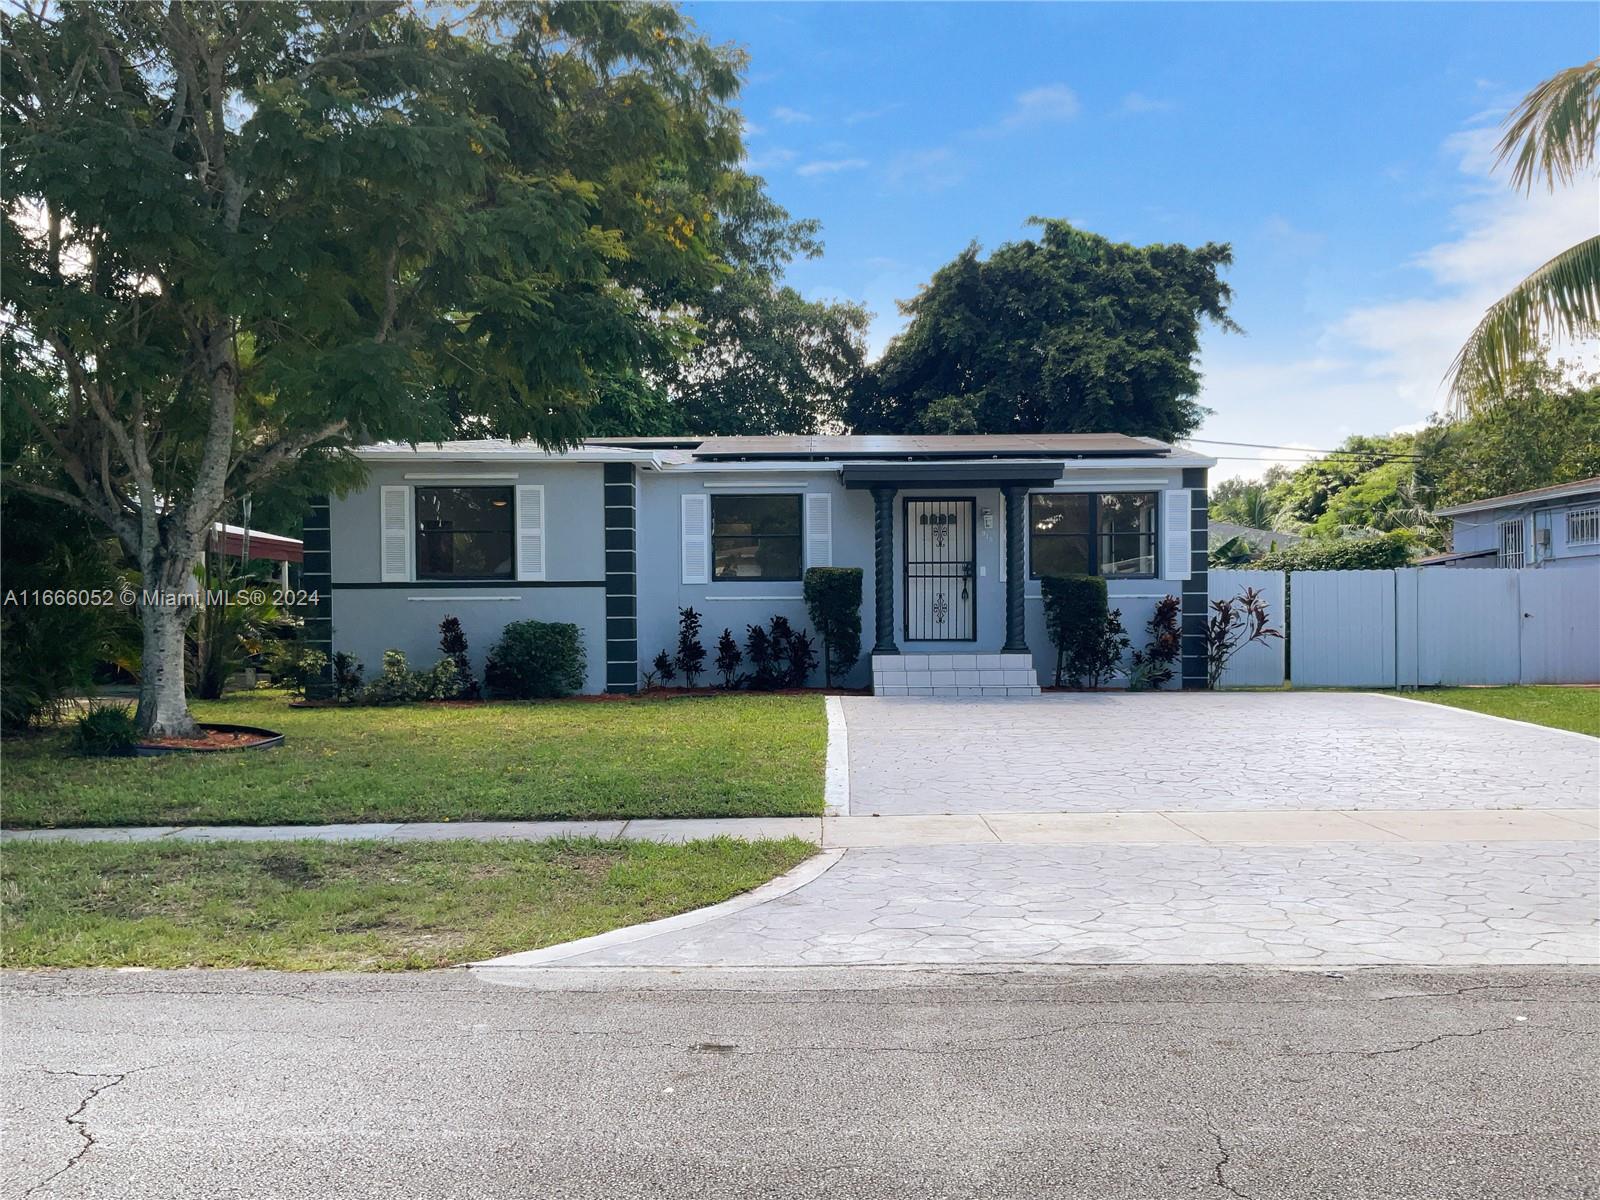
[{"x": 1212, "y": 751}]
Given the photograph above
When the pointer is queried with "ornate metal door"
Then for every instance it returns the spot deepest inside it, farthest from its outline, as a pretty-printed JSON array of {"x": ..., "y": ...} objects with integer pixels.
[{"x": 940, "y": 589}]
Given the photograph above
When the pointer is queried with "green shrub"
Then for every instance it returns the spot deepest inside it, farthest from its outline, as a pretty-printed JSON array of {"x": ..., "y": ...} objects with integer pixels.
[
  {"x": 1341, "y": 554},
  {"x": 691, "y": 655},
  {"x": 294, "y": 664},
  {"x": 536, "y": 660},
  {"x": 106, "y": 730},
  {"x": 397, "y": 683},
  {"x": 1077, "y": 618},
  {"x": 347, "y": 672},
  {"x": 453, "y": 643},
  {"x": 833, "y": 598},
  {"x": 1155, "y": 664}
]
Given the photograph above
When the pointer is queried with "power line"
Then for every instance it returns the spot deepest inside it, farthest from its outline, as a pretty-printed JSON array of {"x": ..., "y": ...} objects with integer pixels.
[{"x": 1389, "y": 454}]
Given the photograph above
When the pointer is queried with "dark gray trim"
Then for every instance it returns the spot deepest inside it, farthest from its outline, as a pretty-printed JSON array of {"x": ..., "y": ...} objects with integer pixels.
[
  {"x": 883, "y": 570},
  {"x": 1196, "y": 599},
  {"x": 1016, "y": 499},
  {"x": 622, "y": 579},
  {"x": 316, "y": 575},
  {"x": 957, "y": 474},
  {"x": 445, "y": 585}
]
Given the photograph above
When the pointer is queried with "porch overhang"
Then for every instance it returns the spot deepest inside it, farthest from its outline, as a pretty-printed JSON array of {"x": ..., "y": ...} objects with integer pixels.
[{"x": 1000, "y": 473}]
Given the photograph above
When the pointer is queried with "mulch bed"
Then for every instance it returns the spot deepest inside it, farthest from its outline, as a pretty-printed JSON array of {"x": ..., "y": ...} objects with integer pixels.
[{"x": 211, "y": 739}]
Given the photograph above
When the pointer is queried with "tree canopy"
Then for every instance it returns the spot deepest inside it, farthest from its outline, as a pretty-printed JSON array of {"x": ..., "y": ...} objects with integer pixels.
[
  {"x": 759, "y": 358},
  {"x": 1540, "y": 427},
  {"x": 237, "y": 234},
  {"x": 1069, "y": 333}
]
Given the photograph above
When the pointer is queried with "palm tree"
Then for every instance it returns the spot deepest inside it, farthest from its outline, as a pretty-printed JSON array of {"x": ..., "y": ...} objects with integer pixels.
[{"x": 1551, "y": 136}]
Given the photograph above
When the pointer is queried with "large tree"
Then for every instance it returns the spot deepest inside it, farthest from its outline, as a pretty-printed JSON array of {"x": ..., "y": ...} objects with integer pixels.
[
  {"x": 241, "y": 234},
  {"x": 760, "y": 358},
  {"x": 1069, "y": 333}
]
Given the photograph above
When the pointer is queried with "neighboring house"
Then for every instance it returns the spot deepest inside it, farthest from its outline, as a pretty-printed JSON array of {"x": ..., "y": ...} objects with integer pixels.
[
  {"x": 618, "y": 534},
  {"x": 1546, "y": 527}
]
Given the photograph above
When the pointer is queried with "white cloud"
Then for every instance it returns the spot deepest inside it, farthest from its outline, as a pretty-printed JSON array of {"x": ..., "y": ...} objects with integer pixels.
[
  {"x": 926, "y": 170},
  {"x": 766, "y": 160},
  {"x": 1053, "y": 102},
  {"x": 1138, "y": 102},
  {"x": 1381, "y": 365},
  {"x": 871, "y": 114},
  {"x": 830, "y": 166},
  {"x": 791, "y": 116}
]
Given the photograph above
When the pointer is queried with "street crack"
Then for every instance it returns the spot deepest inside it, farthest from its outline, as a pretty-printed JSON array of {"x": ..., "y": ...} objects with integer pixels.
[
  {"x": 78, "y": 1118},
  {"x": 1225, "y": 1156}
]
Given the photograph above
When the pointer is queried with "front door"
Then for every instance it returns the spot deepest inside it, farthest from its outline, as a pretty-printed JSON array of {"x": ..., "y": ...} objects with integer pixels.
[{"x": 940, "y": 591}]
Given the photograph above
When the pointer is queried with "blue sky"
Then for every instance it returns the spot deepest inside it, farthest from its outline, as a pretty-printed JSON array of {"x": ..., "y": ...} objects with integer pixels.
[{"x": 1341, "y": 149}]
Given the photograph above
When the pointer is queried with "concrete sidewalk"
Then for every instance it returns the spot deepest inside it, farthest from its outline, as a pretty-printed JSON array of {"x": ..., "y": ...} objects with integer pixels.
[{"x": 1281, "y": 828}]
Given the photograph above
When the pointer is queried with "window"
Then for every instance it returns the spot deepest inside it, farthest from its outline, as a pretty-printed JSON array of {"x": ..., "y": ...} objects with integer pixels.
[
  {"x": 1583, "y": 526},
  {"x": 464, "y": 533},
  {"x": 755, "y": 537},
  {"x": 1081, "y": 533},
  {"x": 1512, "y": 553}
]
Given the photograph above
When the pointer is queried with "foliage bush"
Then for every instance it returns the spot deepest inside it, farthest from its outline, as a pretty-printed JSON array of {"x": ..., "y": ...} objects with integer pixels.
[
  {"x": 691, "y": 656},
  {"x": 662, "y": 669},
  {"x": 833, "y": 598},
  {"x": 729, "y": 659},
  {"x": 105, "y": 730},
  {"x": 1381, "y": 553},
  {"x": 49, "y": 651},
  {"x": 1077, "y": 619},
  {"x": 347, "y": 673},
  {"x": 397, "y": 683},
  {"x": 1233, "y": 625},
  {"x": 780, "y": 655},
  {"x": 1152, "y": 667},
  {"x": 294, "y": 664},
  {"x": 453, "y": 642},
  {"x": 535, "y": 660}
]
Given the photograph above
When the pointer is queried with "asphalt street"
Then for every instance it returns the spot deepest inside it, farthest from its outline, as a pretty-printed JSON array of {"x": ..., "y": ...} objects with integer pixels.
[{"x": 1100, "y": 1082}]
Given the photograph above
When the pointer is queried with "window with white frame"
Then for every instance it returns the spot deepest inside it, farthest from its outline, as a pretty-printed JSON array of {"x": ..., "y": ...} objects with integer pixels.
[
  {"x": 1513, "y": 549},
  {"x": 1583, "y": 526}
]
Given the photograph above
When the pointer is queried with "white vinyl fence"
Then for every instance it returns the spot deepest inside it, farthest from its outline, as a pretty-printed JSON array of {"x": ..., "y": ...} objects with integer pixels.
[
  {"x": 1421, "y": 627},
  {"x": 1259, "y": 664}
]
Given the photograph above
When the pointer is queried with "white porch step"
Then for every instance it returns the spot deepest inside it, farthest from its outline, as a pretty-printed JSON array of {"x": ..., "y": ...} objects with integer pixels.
[{"x": 954, "y": 675}]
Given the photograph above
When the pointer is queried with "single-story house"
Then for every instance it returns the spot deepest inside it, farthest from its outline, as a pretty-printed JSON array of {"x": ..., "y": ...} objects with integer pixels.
[
  {"x": 617, "y": 534},
  {"x": 1545, "y": 527}
]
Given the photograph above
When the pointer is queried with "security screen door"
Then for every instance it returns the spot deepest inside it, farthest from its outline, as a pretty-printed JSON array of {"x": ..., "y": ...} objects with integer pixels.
[{"x": 940, "y": 591}]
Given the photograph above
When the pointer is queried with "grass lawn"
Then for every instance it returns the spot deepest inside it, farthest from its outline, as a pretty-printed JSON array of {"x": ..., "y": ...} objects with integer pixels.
[
  {"x": 1572, "y": 708},
  {"x": 721, "y": 756},
  {"x": 359, "y": 906}
]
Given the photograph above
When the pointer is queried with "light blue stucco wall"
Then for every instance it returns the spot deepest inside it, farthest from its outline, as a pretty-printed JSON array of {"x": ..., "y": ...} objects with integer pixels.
[
  {"x": 1481, "y": 531},
  {"x": 735, "y": 605},
  {"x": 371, "y": 616},
  {"x": 368, "y": 618}
]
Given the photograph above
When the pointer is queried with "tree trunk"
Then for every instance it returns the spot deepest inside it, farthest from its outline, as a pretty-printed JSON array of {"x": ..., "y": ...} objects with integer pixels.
[{"x": 163, "y": 702}]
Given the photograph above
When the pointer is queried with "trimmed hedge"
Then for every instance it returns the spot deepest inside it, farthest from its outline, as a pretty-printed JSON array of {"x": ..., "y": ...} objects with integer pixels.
[
  {"x": 536, "y": 660},
  {"x": 1076, "y": 613},
  {"x": 1342, "y": 554},
  {"x": 833, "y": 598}
]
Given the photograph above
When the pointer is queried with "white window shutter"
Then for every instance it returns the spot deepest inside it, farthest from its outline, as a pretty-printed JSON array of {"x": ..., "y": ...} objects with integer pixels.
[
  {"x": 819, "y": 529},
  {"x": 696, "y": 538},
  {"x": 395, "y": 540},
  {"x": 1175, "y": 506},
  {"x": 530, "y": 531}
]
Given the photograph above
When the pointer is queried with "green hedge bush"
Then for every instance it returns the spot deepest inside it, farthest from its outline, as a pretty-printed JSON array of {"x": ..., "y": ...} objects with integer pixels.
[
  {"x": 105, "y": 730},
  {"x": 833, "y": 598},
  {"x": 1076, "y": 616},
  {"x": 1341, "y": 554},
  {"x": 536, "y": 660}
]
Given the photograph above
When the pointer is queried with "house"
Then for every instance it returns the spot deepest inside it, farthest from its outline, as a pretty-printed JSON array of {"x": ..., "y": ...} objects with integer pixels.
[
  {"x": 616, "y": 535},
  {"x": 1555, "y": 526}
]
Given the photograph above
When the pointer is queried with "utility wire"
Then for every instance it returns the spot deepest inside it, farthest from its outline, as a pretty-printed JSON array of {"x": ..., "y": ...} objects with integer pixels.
[{"x": 1395, "y": 454}]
